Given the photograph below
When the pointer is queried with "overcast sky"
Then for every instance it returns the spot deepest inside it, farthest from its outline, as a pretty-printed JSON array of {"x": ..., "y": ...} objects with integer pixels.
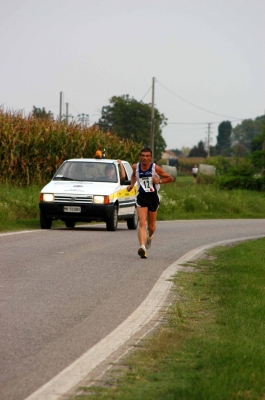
[{"x": 207, "y": 56}]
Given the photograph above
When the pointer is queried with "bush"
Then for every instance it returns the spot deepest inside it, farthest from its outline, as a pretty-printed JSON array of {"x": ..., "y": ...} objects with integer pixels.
[
  {"x": 241, "y": 182},
  {"x": 236, "y": 173},
  {"x": 206, "y": 179}
]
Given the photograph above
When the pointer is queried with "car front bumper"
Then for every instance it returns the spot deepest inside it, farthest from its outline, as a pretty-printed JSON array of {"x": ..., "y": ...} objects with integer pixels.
[{"x": 89, "y": 212}]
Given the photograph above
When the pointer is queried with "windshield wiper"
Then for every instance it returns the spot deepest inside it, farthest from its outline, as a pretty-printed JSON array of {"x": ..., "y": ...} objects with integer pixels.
[{"x": 64, "y": 178}]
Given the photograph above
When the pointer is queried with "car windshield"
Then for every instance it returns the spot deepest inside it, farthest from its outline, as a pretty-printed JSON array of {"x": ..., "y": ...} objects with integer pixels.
[{"x": 87, "y": 171}]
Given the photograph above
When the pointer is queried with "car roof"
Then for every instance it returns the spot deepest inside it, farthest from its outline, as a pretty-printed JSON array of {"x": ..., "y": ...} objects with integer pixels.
[{"x": 98, "y": 160}]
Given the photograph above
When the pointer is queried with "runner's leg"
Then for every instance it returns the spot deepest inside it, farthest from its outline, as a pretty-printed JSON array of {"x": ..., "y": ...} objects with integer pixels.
[
  {"x": 152, "y": 222},
  {"x": 142, "y": 214}
]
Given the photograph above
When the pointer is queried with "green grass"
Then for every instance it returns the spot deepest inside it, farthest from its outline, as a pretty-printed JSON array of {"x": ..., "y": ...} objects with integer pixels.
[
  {"x": 180, "y": 200},
  {"x": 19, "y": 208},
  {"x": 213, "y": 344},
  {"x": 186, "y": 200}
]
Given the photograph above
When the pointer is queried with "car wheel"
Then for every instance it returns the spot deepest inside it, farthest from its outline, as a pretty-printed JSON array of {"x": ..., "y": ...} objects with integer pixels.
[
  {"x": 45, "y": 222},
  {"x": 132, "y": 223},
  {"x": 112, "y": 222},
  {"x": 69, "y": 223}
]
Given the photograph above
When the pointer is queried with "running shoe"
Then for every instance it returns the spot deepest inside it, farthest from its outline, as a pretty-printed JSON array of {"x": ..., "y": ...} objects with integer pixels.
[
  {"x": 142, "y": 252},
  {"x": 149, "y": 241}
]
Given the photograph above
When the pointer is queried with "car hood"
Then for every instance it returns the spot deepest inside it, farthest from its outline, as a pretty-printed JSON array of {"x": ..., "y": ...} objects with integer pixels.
[{"x": 76, "y": 187}]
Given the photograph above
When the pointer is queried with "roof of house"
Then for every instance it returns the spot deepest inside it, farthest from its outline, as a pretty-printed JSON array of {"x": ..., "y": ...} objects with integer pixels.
[{"x": 169, "y": 154}]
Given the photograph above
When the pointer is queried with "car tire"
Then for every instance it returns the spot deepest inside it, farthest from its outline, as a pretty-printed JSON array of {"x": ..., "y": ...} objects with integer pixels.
[
  {"x": 112, "y": 222},
  {"x": 69, "y": 223},
  {"x": 45, "y": 222},
  {"x": 132, "y": 223}
]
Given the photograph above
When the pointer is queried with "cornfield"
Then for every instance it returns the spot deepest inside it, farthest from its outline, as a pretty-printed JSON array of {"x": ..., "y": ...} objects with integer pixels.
[
  {"x": 185, "y": 164},
  {"x": 31, "y": 149}
]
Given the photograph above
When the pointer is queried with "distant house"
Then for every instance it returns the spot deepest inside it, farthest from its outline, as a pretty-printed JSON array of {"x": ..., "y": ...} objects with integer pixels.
[
  {"x": 171, "y": 158},
  {"x": 169, "y": 154}
]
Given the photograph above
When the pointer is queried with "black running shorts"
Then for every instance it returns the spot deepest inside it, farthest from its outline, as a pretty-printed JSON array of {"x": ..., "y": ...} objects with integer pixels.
[{"x": 149, "y": 200}]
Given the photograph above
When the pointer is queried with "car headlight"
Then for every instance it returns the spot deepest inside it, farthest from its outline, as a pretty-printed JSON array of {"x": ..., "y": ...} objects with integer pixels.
[
  {"x": 101, "y": 199},
  {"x": 48, "y": 197}
]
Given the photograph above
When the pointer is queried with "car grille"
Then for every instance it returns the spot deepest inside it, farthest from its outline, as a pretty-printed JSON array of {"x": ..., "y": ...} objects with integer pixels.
[{"x": 73, "y": 199}]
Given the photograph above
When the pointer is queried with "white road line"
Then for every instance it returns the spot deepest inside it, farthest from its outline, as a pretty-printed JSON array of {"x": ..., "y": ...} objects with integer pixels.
[
  {"x": 80, "y": 368},
  {"x": 20, "y": 232}
]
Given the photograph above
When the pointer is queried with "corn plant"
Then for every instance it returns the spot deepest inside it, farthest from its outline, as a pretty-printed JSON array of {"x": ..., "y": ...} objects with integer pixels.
[{"x": 32, "y": 149}]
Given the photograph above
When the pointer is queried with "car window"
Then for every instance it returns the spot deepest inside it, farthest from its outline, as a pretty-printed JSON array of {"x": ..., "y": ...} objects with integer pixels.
[
  {"x": 87, "y": 171},
  {"x": 110, "y": 173}
]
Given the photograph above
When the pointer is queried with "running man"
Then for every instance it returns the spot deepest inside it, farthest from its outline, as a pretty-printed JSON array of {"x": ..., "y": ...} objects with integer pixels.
[
  {"x": 194, "y": 173},
  {"x": 149, "y": 177}
]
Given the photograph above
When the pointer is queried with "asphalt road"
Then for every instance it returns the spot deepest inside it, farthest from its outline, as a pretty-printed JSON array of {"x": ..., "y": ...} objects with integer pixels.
[{"x": 63, "y": 290}]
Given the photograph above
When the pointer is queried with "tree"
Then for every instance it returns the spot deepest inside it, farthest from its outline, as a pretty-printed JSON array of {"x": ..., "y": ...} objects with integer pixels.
[
  {"x": 223, "y": 138},
  {"x": 245, "y": 133},
  {"x": 258, "y": 147},
  {"x": 198, "y": 151},
  {"x": 239, "y": 150},
  {"x": 176, "y": 151},
  {"x": 185, "y": 151},
  {"x": 213, "y": 151},
  {"x": 131, "y": 119},
  {"x": 42, "y": 113}
]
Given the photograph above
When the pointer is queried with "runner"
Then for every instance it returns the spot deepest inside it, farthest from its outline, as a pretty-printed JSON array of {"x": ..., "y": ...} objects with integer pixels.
[
  {"x": 149, "y": 177},
  {"x": 194, "y": 173}
]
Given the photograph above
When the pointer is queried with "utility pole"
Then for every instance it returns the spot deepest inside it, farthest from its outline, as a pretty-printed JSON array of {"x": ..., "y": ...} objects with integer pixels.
[
  {"x": 66, "y": 112},
  {"x": 263, "y": 148},
  {"x": 153, "y": 119},
  {"x": 209, "y": 140},
  {"x": 61, "y": 106}
]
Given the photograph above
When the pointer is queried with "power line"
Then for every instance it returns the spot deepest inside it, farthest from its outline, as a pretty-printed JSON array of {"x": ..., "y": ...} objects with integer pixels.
[
  {"x": 146, "y": 93},
  {"x": 199, "y": 123},
  {"x": 55, "y": 106},
  {"x": 194, "y": 105},
  {"x": 191, "y": 123},
  {"x": 74, "y": 107},
  {"x": 184, "y": 129},
  {"x": 71, "y": 104}
]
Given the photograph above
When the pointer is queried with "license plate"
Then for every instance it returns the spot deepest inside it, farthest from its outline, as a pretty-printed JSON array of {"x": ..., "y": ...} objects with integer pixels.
[{"x": 72, "y": 209}]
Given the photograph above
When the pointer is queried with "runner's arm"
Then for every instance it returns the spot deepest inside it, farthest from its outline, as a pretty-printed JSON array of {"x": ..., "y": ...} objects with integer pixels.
[
  {"x": 123, "y": 173},
  {"x": 163, "y": 177},
  {"x": 133, "y": 178}
]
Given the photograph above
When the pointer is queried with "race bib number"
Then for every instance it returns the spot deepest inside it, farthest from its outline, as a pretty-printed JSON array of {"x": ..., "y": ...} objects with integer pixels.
[{"x": 147, "y": 184}]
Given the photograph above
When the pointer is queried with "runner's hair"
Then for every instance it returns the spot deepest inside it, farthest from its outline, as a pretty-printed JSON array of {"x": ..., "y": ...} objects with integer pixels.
[{"x": 145, "y": 150}]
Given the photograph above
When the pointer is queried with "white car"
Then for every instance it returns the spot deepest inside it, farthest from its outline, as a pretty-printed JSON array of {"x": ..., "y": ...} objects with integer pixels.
[{"x": 85, "y": 190}]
